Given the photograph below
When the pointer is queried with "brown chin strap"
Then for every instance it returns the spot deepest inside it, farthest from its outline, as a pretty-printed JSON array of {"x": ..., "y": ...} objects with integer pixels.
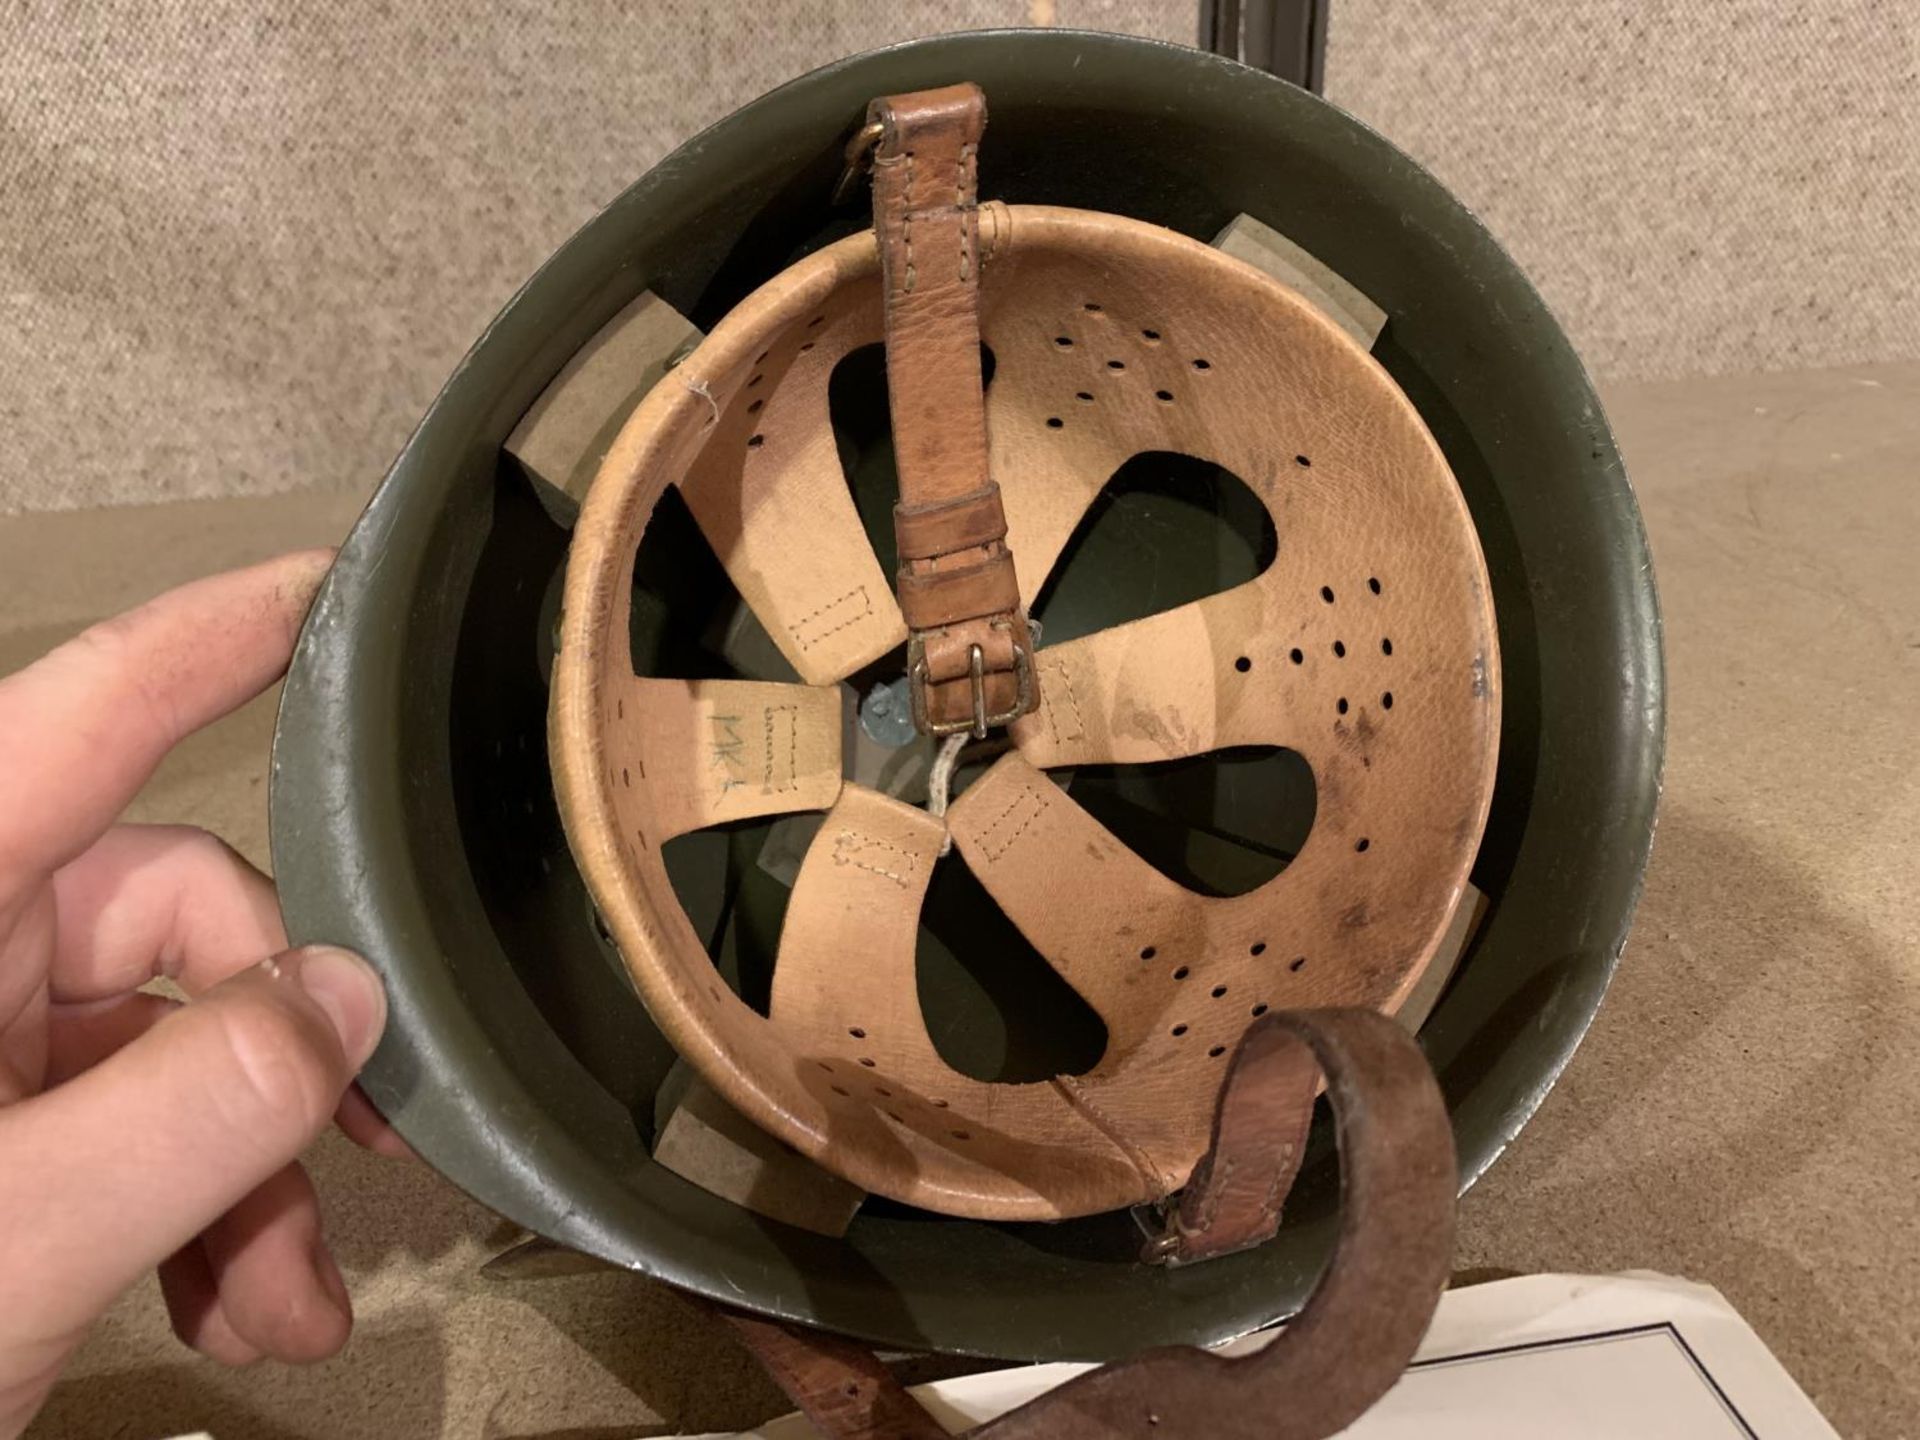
[
  {"x": 969, "y": 654},
  {"x": 1344, "y": 1350}
]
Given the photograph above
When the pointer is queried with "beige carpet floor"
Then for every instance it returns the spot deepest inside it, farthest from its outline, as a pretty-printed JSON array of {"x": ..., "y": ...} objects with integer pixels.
[{"x": 1746, "y": 1111}]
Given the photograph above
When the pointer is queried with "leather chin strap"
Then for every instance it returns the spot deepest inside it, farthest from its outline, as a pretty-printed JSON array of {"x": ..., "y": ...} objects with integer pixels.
[
  {"x": 969, "y": 652},
  {"x": 1345, "y": 1349}
]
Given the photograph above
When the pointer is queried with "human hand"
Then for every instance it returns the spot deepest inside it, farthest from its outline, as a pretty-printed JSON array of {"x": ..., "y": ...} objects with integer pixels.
[{"x": 137, "y": 1133}]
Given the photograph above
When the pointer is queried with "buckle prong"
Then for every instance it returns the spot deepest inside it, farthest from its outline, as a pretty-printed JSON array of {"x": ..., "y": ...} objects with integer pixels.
[{"x": 980, "y": 721}]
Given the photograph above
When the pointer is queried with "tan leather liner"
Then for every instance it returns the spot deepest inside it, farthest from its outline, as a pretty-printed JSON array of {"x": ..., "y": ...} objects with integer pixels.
[
  {"x": 710, "y": 751},
  {"x": 767, "y": 491},
  {"x": 1132, "y": 339}
]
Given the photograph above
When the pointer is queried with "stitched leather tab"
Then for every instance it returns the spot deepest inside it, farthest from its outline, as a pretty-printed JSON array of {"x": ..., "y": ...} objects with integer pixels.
[{"x": 1232, "y": 1200}]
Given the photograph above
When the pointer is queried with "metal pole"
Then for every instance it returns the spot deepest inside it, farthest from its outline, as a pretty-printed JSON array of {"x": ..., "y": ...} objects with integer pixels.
[
  {"x": 1287, "y": 38},
  {"x": 1220, "y": 27}
]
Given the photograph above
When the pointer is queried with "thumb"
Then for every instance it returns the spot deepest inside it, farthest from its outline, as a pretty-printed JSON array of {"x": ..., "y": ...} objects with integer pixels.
[{"x": 104, "y": 1177}]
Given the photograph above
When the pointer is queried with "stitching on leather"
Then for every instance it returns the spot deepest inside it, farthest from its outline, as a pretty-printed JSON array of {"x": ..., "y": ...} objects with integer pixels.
[
  {"x": 1059, "y": 671},
  {"x": 767, "y": 785},
  {"x": 1218, "y": 1183},
  {"x": 995, "y": 849},
  {"x": 1270, "y": 1206},
  {"x": 847, "y": 840},
  {"x": 906, "y": 220},
  {"x": 859, "y": 591},
  {"x": 1069, "y": 1089},
  {"x": 963, "y": 189}
]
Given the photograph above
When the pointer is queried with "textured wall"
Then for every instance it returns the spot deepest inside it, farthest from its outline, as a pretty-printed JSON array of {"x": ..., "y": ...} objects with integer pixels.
[
  {"x": 1697, "y": 187},
  {"x": 242, "y": 244}
]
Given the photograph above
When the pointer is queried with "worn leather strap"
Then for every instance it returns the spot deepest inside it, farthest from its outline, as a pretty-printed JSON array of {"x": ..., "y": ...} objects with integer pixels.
[
  {"x": 843, "y": 1388},
  {"x": 1346, "y": 1348},
  {"x": 1232, "y": 1200},
  {"x": 957, "y": 585}
]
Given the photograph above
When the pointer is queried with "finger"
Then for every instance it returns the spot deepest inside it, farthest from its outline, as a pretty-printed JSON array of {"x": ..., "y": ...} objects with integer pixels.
[
  {"x": 193, "y": 1306},
  {"x": 80, "y": 1036},
  {"x": 87, "y": 723},
  {"x": 365, "y": 1126},
  {"x": 150, "y": 900},
  {"x": 157, "y": 1141},
  {"x": 279, "y": 1288},
  {"x": 83, "y": 1033}
]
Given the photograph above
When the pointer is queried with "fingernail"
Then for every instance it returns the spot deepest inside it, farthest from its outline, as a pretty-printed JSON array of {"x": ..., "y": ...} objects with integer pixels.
[{"x": 346, "y": 988}]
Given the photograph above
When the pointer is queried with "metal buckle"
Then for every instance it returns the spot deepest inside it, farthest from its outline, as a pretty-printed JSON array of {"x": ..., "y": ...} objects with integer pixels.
[
  {"x": 977, "y": 669},
  {"x": 859, "y": 158},
  {"x": 1159, "y": 1223}
]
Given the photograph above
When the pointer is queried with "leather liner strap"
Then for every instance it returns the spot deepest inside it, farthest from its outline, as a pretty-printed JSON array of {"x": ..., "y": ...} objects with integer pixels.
[
  {"x": 1345, "y": 1349},
  {"x": 1232, "y": 1200},
  {"x": 957, "y": 586}
]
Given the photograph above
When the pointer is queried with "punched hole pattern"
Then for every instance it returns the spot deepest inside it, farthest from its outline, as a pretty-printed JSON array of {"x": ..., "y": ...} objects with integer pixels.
[
  {"x": 1182, "y": 973},
  {"x": 1178, "y": 1031},
  {"x": 1303, "y": 462},
  {"x": 1054, "y": 422},
  {"x": 1297, "y": 964},
  {"x": 856, "y": 1032},
  {"x": 1148, "y": 953},
  {"x": 1362, "y": 845},
  {"x": 1259, "y": 947},
  {"x": 1243, "y": 664},
  {"x": 1216, "y": 1052}
]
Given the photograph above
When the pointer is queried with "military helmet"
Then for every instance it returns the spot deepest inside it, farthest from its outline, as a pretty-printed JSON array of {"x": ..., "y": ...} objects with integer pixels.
[{"x": 1346, "y": 658}]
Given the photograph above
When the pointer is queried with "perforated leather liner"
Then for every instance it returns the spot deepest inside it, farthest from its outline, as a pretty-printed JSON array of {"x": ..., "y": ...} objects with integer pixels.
[{"x": 1367, "y": 646}]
